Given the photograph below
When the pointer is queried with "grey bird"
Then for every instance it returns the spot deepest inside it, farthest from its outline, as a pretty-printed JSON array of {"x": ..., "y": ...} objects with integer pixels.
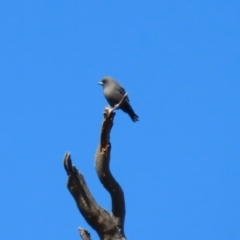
[{"x": 114, "y": 92}]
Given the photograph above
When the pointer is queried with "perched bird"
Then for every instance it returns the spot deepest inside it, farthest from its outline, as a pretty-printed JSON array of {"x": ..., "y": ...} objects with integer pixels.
[{"x": 114, "y": 92}]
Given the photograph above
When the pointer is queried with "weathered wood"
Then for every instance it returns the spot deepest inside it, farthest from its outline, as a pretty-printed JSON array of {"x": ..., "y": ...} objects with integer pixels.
[
  {"x": 85, "y": 235},
  {"x": 109, "y": 226}
]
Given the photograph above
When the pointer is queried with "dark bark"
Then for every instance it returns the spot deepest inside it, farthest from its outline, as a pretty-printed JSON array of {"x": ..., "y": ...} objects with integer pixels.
[{"x": 109, "y": 226}]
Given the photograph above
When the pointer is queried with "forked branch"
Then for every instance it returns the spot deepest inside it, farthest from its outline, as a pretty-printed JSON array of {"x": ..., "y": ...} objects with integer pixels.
[{"x": 109, "y": 226}]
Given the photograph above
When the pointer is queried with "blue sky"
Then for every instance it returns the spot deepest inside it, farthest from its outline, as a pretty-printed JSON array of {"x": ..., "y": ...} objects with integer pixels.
[{"x": 179, "y": 165}]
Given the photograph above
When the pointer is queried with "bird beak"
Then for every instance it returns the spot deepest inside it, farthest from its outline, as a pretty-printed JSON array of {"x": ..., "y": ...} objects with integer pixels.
[{"x": 100, "y": 83}]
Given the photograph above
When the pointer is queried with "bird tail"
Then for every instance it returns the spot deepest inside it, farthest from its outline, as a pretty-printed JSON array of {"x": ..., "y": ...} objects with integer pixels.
[
  {"x": 126, "y": 107},
  {"x": 134, "y": 116}
]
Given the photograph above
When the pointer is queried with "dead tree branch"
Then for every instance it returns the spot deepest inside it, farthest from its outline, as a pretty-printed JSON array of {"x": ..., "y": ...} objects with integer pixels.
[
  {"x": 85, "y": 235},
  {"x": 109, "y": 226}
]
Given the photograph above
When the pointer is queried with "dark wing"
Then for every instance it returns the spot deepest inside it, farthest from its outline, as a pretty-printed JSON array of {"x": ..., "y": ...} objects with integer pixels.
[{"x": 122, "y": 92}]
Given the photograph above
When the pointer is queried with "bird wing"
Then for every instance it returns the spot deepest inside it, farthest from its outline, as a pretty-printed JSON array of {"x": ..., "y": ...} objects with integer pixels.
[{"x": 122, "y": 91}]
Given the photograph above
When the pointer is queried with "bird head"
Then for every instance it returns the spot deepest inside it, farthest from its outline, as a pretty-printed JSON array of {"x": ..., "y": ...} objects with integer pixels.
[{"x": 105, "y": 81}]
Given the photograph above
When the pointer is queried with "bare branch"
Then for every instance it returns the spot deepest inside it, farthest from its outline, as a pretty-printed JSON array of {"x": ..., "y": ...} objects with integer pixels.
[
  {"x": 85, "y": 235},
  {"x": 108, "y": 226},
  {"x": 98, "y": 218},
  {"x": 102, "y": 159}
]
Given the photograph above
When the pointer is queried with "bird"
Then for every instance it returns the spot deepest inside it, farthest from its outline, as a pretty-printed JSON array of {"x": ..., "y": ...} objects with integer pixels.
[{"x": 113, "y": 93}]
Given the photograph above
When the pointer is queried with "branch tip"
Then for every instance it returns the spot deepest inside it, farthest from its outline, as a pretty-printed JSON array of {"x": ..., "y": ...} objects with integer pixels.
[
  {"x": 67, "y": 162},
  {"x": 85, "y": 235}
]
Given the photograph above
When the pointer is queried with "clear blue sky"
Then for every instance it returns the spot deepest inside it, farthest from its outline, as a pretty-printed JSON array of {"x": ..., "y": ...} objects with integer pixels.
[{"x": 179, "y": 165}]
